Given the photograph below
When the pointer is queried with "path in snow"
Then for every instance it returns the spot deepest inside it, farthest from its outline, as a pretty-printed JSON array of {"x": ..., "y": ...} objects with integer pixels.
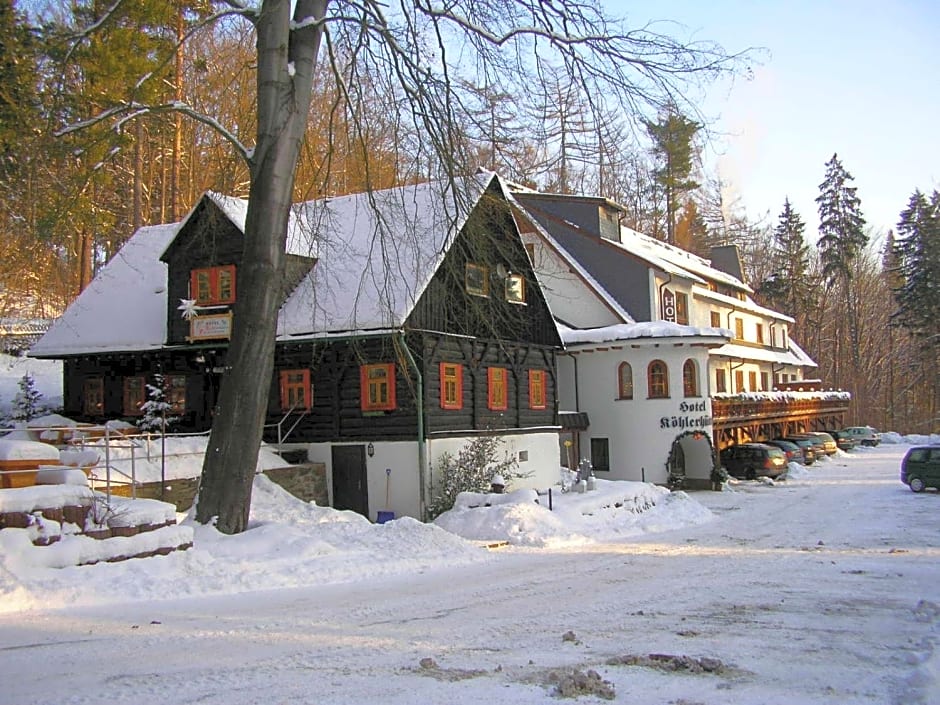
[{"x": 815, "y": 591}]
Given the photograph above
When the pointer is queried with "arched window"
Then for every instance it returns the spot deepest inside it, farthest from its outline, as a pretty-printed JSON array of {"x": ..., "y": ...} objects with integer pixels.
[
  {"x": 658, "y": 380},
  {"x": 689, "y": 378},
  {"x": 625, "y": 381}
]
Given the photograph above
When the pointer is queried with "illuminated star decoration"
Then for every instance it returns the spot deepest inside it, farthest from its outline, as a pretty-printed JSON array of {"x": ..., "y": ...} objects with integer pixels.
[{"x": 189, "y": 308}]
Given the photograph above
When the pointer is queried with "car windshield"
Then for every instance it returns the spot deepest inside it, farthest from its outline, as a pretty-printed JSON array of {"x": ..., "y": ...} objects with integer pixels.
[{"x": 776, "y": 453}]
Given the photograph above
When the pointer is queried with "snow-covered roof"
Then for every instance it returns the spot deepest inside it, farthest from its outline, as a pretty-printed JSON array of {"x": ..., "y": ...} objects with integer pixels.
[
  {"x": 124, "y": 307},
  {"x": 800, "y": 354},
  {"x": 301, "y": 239},
  {"x": 748, "y": 306},
  {"x": 377, "y": 253},
  {"x": 633, "y": 331},
  {"x": 748, "y": 352}
]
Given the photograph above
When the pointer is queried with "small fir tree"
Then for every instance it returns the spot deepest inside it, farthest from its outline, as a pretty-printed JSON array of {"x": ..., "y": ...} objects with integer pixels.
[
  {"x": 157, "y": 408},
  {"x": 26, "y": 403}
]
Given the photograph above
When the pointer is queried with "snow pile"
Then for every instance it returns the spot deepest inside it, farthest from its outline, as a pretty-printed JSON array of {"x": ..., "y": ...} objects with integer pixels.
[{"x": 614, "y": 509}]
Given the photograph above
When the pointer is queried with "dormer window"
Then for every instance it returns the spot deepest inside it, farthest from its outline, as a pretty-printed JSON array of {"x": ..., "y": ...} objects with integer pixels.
[
  {"x": 515, "y": 289},
  {"x": 213, "y": 285}
]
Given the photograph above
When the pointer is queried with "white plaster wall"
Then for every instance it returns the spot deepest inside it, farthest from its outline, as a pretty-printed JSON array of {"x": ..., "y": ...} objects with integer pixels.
[
  {"x": 640, "y": 431},
  {"x": 401, "y": 457},
  {"x": 542, "y": 449},
  {"x": 568, "y": 297},
  {"x": 404, "y": 482}
]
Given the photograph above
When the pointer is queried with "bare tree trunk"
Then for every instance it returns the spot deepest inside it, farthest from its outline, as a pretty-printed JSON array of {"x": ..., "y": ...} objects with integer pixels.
[{"x": 283, "y": 103}]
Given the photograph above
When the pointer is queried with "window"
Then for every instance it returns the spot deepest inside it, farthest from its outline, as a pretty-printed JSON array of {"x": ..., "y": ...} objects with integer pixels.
[
  {"x": 764, "y": 378},
  {"x": 760, "y": 333},
  {"x": 689, "y": 378},
  {"x": 515, "y": 289},
  {"x": 476, "y": 280},
  {"x": 625, "y": 381},
  {"x": 716, "y": 319},
  {"x": 451, "y": 385},
  {"x": 135, "y": 394},
  {"x": 530, "y": 250},
  {"x": 213, "y": 285},
  {"x": 752, "y": 381},
  {"x": 682, "y": 308},
  {"x": 658, "y": 380},
  {"x": 175, "y": 393},
  {"x": 377, "y": 387},
  {"x": 93, "y": 396},
  {"x": 720, "y": 384},
  {"x": 296, "y": 393},
  {"x": 497, "y": 390},
  {"x": 600, "y": 454},
  {"x": 739, "y": 381},
  {"x": 537, "y": 395},
  {"x": 739, "y": 328}
]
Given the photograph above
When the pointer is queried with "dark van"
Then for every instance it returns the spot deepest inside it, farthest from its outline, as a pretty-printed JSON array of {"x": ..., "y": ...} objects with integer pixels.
[{"x": 920, "y": 468}]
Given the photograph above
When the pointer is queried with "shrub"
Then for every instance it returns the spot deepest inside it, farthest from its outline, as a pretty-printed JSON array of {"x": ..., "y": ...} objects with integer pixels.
[{"x": 471, "y": 470}]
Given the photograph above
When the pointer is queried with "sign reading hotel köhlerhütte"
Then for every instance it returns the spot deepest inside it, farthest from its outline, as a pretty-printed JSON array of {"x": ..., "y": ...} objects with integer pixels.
[{"x": 212, "y": 327}]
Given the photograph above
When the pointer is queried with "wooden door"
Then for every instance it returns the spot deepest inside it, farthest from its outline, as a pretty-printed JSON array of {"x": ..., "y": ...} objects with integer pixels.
[{"x": 350, "y": 487}]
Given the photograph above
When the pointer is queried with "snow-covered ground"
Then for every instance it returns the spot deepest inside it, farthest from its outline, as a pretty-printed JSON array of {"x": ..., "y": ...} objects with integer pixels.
[{"x": 820, "y": 589}]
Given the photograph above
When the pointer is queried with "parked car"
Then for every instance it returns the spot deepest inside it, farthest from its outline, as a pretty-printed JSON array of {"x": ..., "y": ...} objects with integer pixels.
[
  {"x": 829, "y": 443},
  {"x": 807, "y": 444},
  {"x": 844, "y": 440},
  {"x": 817, "y": 442},
  {"x": 793, "y": 452},
  {"x": 751, "y": 460},
  {"x": 920, "y": 468},
  {"x": 865, "y": 435}
]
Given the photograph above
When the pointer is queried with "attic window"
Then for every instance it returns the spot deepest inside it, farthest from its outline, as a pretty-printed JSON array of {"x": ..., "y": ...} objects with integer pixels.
[
  {"x": 515, "y": 289},
  {"x": 213, "y": 285},
  {"x": 477, "y": 282}
]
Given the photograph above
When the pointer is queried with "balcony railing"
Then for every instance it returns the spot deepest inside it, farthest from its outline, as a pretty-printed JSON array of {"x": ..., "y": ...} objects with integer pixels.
[{"x": 755, "y": 416}]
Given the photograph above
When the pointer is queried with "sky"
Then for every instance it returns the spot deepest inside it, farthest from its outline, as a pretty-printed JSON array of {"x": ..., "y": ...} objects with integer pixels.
[{"x": 834, "y": 76}]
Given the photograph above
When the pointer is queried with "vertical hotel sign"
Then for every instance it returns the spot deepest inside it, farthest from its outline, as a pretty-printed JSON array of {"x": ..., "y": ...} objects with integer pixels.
[
  {"x": 212, "y": 327},
  {"x": 668, "y": 305}
]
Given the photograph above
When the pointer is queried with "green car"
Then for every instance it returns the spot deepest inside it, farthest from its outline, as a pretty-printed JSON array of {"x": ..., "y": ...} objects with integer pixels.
[{"x": 921, "y": 468}]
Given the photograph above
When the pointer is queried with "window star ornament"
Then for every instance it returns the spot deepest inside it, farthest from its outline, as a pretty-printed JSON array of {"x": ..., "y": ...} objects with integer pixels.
[{"x": 189, "y": 308}]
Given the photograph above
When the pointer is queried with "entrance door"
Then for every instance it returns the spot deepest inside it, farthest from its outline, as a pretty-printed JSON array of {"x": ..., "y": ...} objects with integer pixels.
[{"x": 350, "y": 489}]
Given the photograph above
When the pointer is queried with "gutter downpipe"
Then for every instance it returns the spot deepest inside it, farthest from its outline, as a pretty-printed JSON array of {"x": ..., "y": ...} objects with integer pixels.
[{"x": 422, "y": 443}]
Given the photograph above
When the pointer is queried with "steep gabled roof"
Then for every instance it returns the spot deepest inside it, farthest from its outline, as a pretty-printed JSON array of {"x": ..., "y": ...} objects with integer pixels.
[
  {"x": 124, "y": 307},
  {"x": 377, "y": 253}
]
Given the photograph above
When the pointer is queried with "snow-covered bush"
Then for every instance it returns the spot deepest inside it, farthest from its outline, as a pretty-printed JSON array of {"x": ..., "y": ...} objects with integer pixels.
[{"x": 471, "y": 470}]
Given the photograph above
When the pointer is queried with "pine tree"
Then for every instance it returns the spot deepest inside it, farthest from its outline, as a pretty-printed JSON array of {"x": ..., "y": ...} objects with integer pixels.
[
  {"x": 787, "y": 286},
  {"x": 673, "y": 135},
  {"x": 26, "y": 403},
  {"x": 917, "y": 260},
  {"x": 842, "y": 239},
  {"x": 841, "y": 225},
  {"x": 156, "y": 408}
]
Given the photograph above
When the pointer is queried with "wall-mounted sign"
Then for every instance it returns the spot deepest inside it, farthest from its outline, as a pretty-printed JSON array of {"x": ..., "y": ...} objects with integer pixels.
[
  {"x": 212, "y": 327},
  {"x": 691, "y": 416},
  {"x": 669, "y": 305}
]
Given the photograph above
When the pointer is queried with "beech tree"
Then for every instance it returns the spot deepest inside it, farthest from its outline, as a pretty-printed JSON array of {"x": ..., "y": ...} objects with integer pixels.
[{"x": 428, "y": 53}]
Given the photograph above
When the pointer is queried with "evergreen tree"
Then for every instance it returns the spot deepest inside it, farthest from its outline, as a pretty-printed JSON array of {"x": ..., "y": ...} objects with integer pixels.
[
  {"x": 787, "y": 286},
  {"x": 157, "y": 408},
  {"x": 26, "y": 403},
  {"x": 841, "y": 225},
  {"x": 917, "y": 258},
  {"x": 842, "y": 239},
  {"x": 673, "y": 135}
]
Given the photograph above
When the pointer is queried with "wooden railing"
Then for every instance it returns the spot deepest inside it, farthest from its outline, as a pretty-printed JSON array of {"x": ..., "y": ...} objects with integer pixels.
[{"x": 729, "y": 411}]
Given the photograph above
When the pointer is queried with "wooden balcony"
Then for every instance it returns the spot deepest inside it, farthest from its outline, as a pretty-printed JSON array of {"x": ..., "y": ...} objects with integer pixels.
[{"x": 751, "y": 418}]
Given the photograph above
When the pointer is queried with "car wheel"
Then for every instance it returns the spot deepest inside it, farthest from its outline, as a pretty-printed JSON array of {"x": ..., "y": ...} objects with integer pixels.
[
  {"x": 917, "y": 485},
  {"x": 749, "y": 474}
]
